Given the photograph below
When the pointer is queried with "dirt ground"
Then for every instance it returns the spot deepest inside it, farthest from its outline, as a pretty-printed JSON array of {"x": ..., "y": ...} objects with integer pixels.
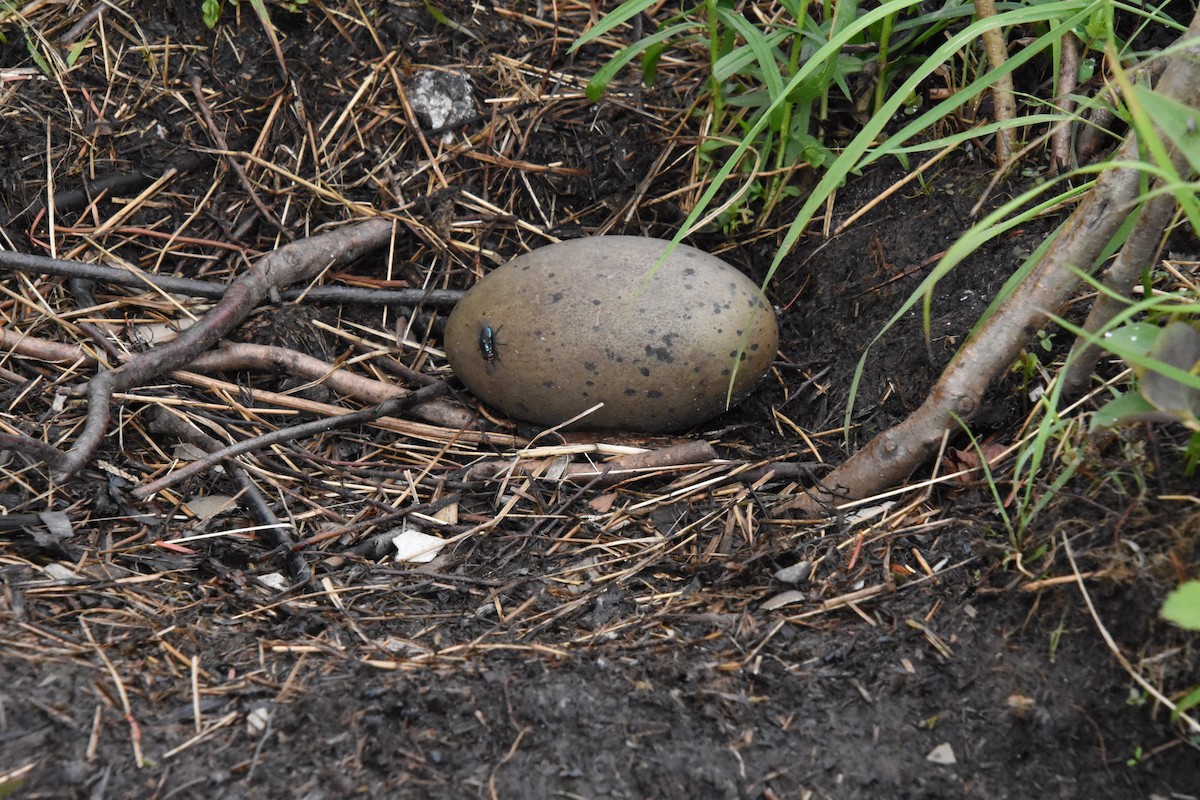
[{"x": 631, "y": 641}]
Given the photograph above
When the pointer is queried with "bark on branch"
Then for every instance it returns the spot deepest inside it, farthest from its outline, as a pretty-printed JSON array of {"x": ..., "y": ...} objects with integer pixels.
[{"x": 1004, "y": 101}]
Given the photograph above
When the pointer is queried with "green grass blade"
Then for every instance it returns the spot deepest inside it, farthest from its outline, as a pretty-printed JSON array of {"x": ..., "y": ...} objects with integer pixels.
[
  {"x": 598, "y": 85},
  {"x": 622, "y": 13}
]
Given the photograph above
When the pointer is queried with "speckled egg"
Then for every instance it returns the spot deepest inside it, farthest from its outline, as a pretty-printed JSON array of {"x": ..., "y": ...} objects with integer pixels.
[{"x": 557, "y": 330}]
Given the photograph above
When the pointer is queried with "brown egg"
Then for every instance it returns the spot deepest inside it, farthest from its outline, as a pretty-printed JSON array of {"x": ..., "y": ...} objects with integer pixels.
[{"x": 586, "y": 321}]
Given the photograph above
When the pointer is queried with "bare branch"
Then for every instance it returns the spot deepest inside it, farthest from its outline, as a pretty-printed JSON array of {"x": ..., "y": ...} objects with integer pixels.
[
  {"x": 360, "y": 295},
  {"x": 1136, "y": 254}
]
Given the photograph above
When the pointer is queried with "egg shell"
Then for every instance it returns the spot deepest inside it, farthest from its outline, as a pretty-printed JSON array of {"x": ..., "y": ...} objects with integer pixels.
[{"x": 590, "y": 320}]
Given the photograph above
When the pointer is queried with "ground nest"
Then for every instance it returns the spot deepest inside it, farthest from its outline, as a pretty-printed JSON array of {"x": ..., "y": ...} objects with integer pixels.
[{"x": 601, "y": 615}]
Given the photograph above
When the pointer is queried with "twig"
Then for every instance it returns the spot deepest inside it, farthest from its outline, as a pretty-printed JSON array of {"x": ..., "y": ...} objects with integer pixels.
[
  {"x": 895, "y": 187},
  {"x": 1004, "y": 103},
  {"x": 76, "y": 30},
  {"x": 429, "y": 432},
  {"x": 245, "y": 357},
  {"x": 891, "y": 456},
  {"x": 1093, "y": 135},
  {"x": 1138, "y": 252},
  {"x": 73, "y": 199},
  {"x": 26, "y": 262},
  {"x": 262, "y": 357},
  {"x": 1116, "y": 651},
  {"x": 29, "y": 446},
  {"x": 276, "y": 532},
  {"x": 135, "y": 731},
  {"x": 846, "y": 600},
  {"x": 619, "y": 469},
  {"x": 1068, "y": 79},
  {"x": 393, "y": 406}
]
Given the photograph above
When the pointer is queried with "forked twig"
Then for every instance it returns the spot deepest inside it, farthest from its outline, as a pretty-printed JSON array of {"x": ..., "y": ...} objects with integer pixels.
[{"x": 297, "y": 261}]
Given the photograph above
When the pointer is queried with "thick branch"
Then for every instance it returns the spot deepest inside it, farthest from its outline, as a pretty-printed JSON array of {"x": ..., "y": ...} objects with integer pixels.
[{"x": 1136, "y": 255}]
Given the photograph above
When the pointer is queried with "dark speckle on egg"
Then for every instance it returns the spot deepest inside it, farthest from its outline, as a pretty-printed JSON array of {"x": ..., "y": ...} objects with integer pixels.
[
  {"x": 660, "y": 354},
  {"x": 593, "y": 320}
]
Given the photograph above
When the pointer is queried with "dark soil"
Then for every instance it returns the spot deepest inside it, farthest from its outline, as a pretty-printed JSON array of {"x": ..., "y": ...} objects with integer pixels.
[{"x": 571, "y": 650}]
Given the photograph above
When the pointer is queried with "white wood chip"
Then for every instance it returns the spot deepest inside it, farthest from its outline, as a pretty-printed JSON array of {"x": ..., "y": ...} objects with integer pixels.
[
  {"x": 784, "y": 599},
  {"x": 211, "y": 505}
]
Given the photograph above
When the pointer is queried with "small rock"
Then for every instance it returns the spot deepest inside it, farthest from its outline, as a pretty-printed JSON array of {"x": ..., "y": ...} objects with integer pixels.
[
  {"x": 442, "y": 98},
  {"x": 942, "y": 754}
]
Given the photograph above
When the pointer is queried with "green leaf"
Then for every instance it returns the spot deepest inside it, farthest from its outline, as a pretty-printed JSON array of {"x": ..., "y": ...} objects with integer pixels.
[
  {"x": 1179, "y": 123},
  {"x": 77, "y": 50},
  {"x": 1179, "y": 346},
  {"x": 737, "y": 61},
  {"x": 761, "y": 46},
  {"x": 438, "y": 15},
  {"x": 8, "y": 787},
  {"x": 804, "y": 148},
  {"x": 37, "y": 57},
  {"x": 1136, "y": 339},
  {"x": 1182, "y": 606},
  {"x": 612, "y": 19},
  {"x": 211, "y": 9},
  {"x": 1125, "y": 410},
  {"x": 1190, "y": 701},
  {"x": 1095, "y": 29},
  {"x": 603, "y": 77},
  {"x": 650, "y": 61}
]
